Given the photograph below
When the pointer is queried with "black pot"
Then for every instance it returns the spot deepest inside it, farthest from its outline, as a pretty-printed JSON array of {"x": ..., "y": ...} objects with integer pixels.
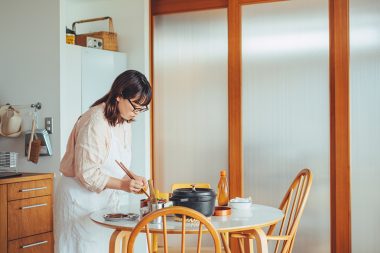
[{"x": 199, "y": 199}]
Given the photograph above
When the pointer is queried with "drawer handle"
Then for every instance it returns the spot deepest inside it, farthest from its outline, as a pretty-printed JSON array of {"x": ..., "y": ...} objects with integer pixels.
[
  {"x": 33, "y": 189},
  {"x": 33, "y": 244},
  {"x": 33, "y": 206}
]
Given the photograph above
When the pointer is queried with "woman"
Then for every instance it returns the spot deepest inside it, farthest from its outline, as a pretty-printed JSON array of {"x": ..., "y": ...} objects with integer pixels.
[{"x": 91, "y": 176}]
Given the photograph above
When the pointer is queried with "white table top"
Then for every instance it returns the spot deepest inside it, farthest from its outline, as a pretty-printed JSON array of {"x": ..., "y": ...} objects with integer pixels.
[{"x": 239, "y": 220}]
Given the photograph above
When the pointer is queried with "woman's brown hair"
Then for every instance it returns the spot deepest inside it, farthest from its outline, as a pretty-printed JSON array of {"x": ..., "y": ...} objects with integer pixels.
[{"x": 130, "y": 84}]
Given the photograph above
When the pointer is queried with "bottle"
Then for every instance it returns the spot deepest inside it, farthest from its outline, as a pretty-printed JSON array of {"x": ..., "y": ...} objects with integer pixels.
[{"x": 223, "y": 189}]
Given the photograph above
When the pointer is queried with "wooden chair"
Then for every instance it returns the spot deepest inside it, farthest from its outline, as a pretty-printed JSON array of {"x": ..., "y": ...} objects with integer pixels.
[
  {"x": 185, "y": 212},
  {"x": 166, "y": 195},
  {"x": 292, "y": 205}
]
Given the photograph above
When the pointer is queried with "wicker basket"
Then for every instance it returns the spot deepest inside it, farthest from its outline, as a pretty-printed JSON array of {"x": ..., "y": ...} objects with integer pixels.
[{"x": 109, "y": 38}]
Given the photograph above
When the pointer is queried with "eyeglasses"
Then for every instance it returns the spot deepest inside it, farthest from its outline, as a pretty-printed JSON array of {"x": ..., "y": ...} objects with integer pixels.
[{"x": 138, "y": 109}]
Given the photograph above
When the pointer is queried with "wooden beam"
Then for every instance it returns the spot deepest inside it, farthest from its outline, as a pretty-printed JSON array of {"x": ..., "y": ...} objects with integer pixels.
[
  {"x": 235, "y": 141},
  {"x": 242, "y": 2},
  {"x": 160, "y": 7},
  {"x": 339, "y": 127},
  {"x": 235, "y": 100},
  {"x": 151, "y": 73}
]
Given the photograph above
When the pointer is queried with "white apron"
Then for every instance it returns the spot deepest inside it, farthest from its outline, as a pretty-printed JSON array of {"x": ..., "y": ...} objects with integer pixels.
[{"x": 74, "y": 231}]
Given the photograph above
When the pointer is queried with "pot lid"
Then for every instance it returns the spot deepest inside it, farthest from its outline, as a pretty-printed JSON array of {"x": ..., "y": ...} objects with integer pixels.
[{"x": 193, "y": 192}]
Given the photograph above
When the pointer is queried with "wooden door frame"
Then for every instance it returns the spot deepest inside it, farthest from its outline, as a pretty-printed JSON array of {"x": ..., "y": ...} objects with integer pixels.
[{"x": 340, "y": 184}]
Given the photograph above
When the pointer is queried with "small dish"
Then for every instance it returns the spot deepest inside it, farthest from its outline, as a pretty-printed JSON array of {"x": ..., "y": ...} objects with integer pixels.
[
  {"x": 241, "y": 203},
  {"x": 121, "y": 216},
  {"x": 222, "y": 211}
]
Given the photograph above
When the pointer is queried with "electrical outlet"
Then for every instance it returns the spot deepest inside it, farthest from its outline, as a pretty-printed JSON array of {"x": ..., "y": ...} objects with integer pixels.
[{"x": 49, "y": 124}]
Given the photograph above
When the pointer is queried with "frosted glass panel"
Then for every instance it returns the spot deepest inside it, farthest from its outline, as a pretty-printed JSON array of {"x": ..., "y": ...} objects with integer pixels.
[
  {"x": 365, "y": 124},
  {"x": 190, "y": 97},
  {"x": 286, "y": 109}
]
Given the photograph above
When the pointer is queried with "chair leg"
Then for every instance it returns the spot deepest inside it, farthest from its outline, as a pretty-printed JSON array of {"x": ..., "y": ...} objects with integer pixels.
[
  {"x": 250, "y": 242},
  {"x": 225, "y": 239},
  {"x": 241, "y": 245}
]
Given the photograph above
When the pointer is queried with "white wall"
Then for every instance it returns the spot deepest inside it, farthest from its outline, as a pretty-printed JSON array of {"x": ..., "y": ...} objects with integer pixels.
[
  {"x": 29, "y": 69},
  {"x": 128, "y": 19}
]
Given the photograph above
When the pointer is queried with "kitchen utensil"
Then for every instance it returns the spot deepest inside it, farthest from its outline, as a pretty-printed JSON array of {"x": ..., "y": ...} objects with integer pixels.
[
  {"x": 122, "y": 166},
  {"x": 156, "y": 206},
  {"x": 199, "y": 199},
  {"x": 121, "y": 216},
  {"x": 34, "y": 145},
  {"x": 152, "y": 191},
  {"x": 31, "y": 138}
]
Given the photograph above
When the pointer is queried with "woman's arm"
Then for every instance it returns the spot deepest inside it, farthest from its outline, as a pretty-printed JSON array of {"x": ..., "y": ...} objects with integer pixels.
[{"x": 125, "y": 184}]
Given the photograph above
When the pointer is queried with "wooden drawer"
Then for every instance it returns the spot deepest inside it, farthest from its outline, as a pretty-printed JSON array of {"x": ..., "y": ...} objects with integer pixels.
[
  {"x": 29, "y": 217},
  {"x": 30, "y": 189},
  {"x": 42, "y": 243}
]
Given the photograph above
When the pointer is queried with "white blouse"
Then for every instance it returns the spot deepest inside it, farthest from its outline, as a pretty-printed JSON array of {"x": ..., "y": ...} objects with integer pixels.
[{"x": 88, "y": 148}]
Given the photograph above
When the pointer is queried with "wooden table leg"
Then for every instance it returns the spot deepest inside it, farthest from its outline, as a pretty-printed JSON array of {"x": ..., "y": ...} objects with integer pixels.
[
  {"x": 155, "y": 242},
  {"x": 261, "y": 240},
  {"x": 225, "y": 241},
  {"x": 119, "y": 239}
]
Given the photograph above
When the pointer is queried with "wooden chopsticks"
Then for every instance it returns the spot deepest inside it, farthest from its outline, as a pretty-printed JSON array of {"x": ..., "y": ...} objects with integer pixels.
[
  {"x": 152, "y": 191},
  {"x": 121, "y": 165}
]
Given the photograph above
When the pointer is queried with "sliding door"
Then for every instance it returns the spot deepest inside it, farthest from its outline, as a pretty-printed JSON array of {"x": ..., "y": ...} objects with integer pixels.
[
  {"x": 286, "y": 109},
  {"x": 365, "y": 123},
  {"x": 190, "y": 97}
]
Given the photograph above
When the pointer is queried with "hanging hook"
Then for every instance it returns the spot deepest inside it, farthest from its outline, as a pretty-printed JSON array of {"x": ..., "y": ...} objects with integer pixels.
[{"x": 36, "y": 106}]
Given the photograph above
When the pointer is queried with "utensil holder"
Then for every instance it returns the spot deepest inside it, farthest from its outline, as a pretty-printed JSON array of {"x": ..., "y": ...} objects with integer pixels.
[{"x": 156, "y": 206}]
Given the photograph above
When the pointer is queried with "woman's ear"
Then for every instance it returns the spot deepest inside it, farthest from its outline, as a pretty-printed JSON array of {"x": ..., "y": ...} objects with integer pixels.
[{"x": 118, "y": 99}]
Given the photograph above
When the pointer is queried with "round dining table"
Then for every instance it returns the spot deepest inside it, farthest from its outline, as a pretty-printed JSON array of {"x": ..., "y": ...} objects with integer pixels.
[{"x": 252, "y": 219}]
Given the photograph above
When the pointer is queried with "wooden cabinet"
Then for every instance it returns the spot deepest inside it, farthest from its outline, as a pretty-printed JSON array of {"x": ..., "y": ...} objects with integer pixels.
[{"x": 26, "y": 214}]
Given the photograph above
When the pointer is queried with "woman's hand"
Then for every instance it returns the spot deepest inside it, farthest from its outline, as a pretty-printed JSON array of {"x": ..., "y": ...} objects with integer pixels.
[
  {"x": 141, "y": 180},
  {"x": 126, "y": 184},
  {"x": 132, "y": 185}
]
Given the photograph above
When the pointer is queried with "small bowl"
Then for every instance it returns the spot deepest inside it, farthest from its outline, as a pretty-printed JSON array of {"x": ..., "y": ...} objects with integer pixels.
[
  {"x": 240, "y": 205},
  {"x": 222, "y": 211}
]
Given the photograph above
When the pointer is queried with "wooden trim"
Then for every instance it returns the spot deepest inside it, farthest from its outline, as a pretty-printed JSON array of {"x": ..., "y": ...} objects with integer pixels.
[
  {"x": 3, "y": 219},
  {"x": 234, "y": 100},
  {"x": 243, "y": 2},
  {"x": 235, "y": 141},
  {"x": 160, "y": 7},
  {"x": 339, "y": 127},
  {"x": 151, "y": 77},
  {"x": 26, "y": 177}
]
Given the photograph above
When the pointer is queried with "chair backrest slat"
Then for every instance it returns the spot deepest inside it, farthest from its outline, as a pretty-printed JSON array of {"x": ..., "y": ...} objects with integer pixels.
[
  {"x": 148, "y": 239},
  {"x": 184, "y": 213},
  {"x": 302, "y": 184},
  {"x": 292, "y": 205},
  {"x": 293, "y": 201},
  {"x": 199, "y": 238},
  {"x": 285, "y": 209},
  {"x": 183, "y": 234},
  {"x": 165, "y": 234}
]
